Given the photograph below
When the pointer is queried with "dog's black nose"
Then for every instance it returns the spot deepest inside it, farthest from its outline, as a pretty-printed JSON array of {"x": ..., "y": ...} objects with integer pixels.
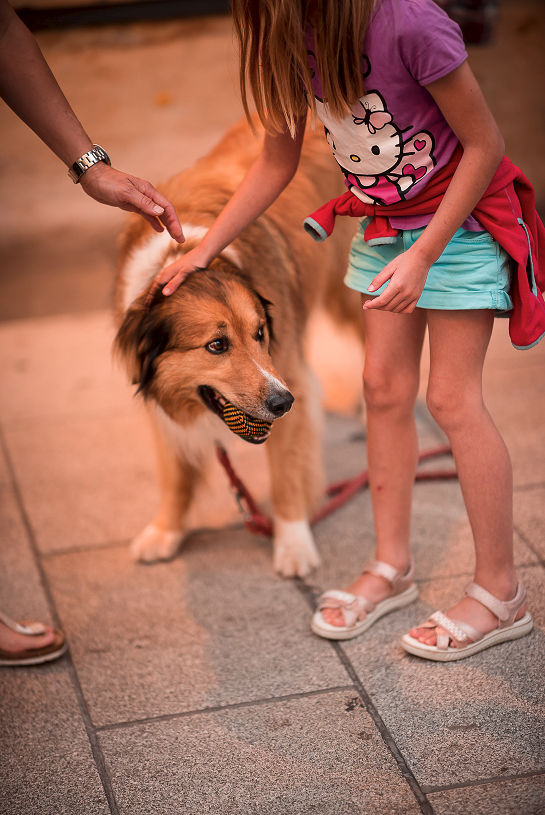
[{"x": 279, "y": 404}]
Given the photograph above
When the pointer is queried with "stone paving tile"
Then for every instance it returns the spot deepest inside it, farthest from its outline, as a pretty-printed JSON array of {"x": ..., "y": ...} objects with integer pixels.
[
  {"x": 521, "y": 796},
  {"x": 43, "y": 744},
  {"x": 84, "y": 481},
  {"x": 319, "y": 754},
  {"x": 60, "y": 367},
  {"x": 47, "y": 767},
  {"x": 478, "y": 718},
  {"x": 521, "y": 420},
  {"x": 212, "y": 627},
  {"x": 530, "y": 517},
  {"x": 21, "y": 593},
  {"x": 101, "y": 471}
]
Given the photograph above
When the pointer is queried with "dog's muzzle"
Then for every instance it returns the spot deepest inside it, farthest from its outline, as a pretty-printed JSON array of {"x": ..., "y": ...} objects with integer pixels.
[{"x": 249, "y": 428}]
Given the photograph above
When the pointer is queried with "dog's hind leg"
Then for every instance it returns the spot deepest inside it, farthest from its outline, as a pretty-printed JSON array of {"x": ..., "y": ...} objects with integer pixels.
[
  {"x": 295, "y": 461},
  {"x": 162, "y": 538}
]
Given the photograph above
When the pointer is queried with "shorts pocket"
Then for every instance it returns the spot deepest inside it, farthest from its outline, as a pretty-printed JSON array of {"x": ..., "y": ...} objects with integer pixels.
[{"x": 470, "y": 238}]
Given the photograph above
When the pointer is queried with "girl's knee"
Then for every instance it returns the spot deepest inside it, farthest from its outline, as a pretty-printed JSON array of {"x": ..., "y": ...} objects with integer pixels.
[
  {"x": 452, "y": 408},
  {"x": 385, "y": 390}
]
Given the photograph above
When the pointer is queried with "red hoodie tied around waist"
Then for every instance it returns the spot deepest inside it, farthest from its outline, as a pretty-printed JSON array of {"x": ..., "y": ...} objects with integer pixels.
[{"x": 507, "y": 211}]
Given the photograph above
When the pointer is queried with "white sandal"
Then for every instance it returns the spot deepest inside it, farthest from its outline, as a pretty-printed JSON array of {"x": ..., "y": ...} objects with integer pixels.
[
  {"x": 359, "y": 612},
  {"x": 507, "y": 629}
]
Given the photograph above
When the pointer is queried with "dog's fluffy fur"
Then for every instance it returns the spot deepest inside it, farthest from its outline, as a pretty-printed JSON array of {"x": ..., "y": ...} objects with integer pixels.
[{"x": 235, "y": 331}]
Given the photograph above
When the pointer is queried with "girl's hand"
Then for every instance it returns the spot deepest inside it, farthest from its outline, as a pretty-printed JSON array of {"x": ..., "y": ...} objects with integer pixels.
[
  {"x": 110, "y": 186},
  {"x": 407, "y": 274},
  {"x": 175, "y": 273}
]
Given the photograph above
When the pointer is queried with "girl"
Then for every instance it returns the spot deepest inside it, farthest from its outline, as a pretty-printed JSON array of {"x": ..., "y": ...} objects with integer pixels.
[{"x": 390, "y": 81}]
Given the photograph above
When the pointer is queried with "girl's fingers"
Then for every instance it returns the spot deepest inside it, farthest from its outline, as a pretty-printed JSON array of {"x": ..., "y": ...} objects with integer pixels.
[
  {"x": 174, "y": 283},
  {"x": 164, "y": 276},
  {"x": 397, "y": 301},
  {"x": 382, "y": 300},
  {"x": 381, "y": 278}
]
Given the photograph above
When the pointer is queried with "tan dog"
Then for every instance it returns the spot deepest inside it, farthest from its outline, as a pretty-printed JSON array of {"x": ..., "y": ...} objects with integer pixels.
[{"x": 228, "y": 345}]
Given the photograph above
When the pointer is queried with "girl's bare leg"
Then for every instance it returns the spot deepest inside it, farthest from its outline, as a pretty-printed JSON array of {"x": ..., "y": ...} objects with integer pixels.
[
  {"x": 458, "y": 343},
  {"x": 393, "y": 346}
]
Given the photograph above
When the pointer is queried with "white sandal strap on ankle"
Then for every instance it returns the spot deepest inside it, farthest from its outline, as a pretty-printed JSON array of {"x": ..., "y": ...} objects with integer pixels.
[
  {"x": 504, "y": 610},
  {"x": 399, "y": 580}
]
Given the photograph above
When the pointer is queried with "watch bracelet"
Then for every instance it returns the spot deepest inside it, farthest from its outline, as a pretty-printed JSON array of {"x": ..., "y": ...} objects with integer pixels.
[{"x": 88, "y": 159}]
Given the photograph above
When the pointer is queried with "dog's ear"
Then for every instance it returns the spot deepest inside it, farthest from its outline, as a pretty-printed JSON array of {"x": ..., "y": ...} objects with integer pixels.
[
  {"x": 267, "y": 306},
  {"x": 143, "y": 336}
]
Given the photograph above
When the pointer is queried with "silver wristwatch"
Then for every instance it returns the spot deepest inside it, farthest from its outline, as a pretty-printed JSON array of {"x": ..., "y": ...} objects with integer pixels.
[{"x": 83, "y": 163}]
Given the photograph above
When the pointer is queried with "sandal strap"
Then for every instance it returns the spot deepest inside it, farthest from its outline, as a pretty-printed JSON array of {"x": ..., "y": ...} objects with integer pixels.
[
  {"x": 30, "y": 629},
  {"x": 351, "y": 605},
  {"x": 504, "y": 610},
  {"x": 399, "y": 580},
  {"x": 457, "y": 630}
]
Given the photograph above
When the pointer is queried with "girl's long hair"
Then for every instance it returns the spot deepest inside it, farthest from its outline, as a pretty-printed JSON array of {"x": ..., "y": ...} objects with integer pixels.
[{"x": 274, "y": 61}]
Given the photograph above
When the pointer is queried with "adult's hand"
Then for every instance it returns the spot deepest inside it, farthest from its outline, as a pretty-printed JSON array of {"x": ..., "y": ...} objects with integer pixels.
[{"x": 110, "y": 186}]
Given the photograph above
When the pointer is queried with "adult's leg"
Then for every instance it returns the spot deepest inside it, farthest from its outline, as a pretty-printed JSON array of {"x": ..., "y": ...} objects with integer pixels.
[
  {"x": 458, "y": 344},
  {"x": 393, "y": 345}
]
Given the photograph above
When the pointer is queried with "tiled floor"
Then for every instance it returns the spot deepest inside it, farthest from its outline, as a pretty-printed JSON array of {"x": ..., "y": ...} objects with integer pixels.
[{"x": 196, "y": 686}]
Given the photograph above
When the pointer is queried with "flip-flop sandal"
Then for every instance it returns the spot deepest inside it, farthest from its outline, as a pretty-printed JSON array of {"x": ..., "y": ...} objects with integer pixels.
[
  {"x": 32, "y": 655},
  {"x": 507, "y": 629},
  {"x": 359, "y": 612}
]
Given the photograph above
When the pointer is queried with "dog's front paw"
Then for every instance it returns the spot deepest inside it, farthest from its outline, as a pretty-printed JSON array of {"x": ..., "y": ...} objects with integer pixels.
[
  {"x": 154, "y": 544},
  {"x": 295, "y": 554}
]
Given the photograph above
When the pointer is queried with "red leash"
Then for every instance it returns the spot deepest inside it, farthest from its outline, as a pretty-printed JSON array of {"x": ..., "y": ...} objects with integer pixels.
[{"x": 338, "y": 493}]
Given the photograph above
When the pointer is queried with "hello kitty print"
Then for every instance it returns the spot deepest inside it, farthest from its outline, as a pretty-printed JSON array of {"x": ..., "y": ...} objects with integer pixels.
[
  {"x": 380, "y": 166},
  {"x": 395, "y": 137}
]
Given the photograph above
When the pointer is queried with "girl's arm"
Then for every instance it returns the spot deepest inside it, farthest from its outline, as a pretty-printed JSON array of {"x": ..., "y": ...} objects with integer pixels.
[
  {"x": 463, "y": 105},
  {"x": 265, "y": 180},
  {"x": 31, "y": 90}
]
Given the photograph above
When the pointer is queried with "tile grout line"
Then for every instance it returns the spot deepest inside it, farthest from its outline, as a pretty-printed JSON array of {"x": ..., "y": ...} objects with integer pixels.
[
  {"x": 536, "y": 485},
  {"x": 96, "y": 751},
  {"x": 530, "y": 546},
  {"x": 481, "y": 782},
  {"x": 389, "y": 741},
  {"x": 167, "y": 717}
]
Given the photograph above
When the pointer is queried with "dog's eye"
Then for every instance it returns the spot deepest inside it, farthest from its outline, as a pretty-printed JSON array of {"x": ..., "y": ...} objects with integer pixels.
[
  {"x": 218, "y": 346},
  {"x": 260, "y": 336}
]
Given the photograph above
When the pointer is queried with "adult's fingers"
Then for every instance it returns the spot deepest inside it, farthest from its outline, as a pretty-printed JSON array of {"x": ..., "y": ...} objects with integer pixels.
[
  {"x": 169, "y": 217},
  {"x": 153, "y": 222},
  {"x": 152, "y": 202}
]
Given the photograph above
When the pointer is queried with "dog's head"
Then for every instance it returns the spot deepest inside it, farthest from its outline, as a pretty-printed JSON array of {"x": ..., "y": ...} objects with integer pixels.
[{"x": 206, "y": 347}]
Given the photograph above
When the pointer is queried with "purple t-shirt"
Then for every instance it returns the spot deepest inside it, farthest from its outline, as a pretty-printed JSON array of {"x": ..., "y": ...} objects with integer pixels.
[{"x": 396, "y": 137}]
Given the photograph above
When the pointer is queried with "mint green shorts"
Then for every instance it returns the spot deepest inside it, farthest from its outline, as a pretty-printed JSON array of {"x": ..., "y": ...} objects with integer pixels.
[{"x": 473, "y": 272}]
